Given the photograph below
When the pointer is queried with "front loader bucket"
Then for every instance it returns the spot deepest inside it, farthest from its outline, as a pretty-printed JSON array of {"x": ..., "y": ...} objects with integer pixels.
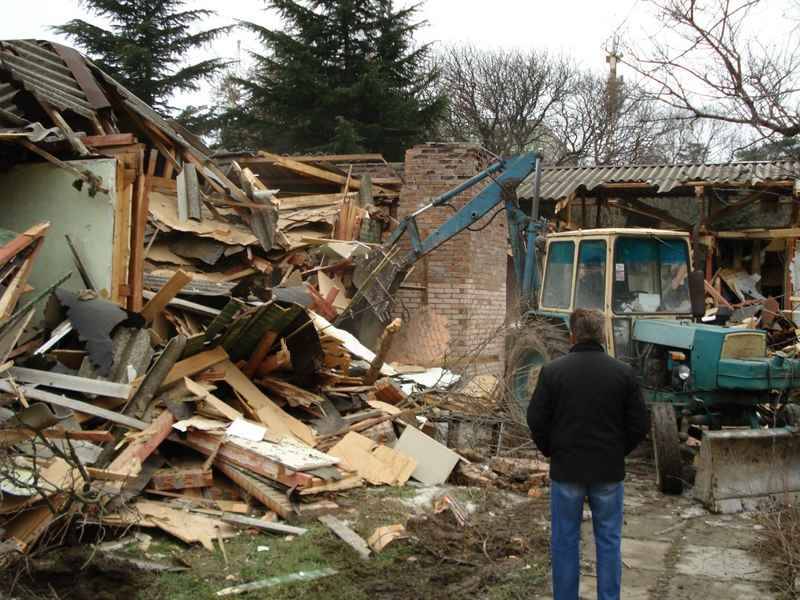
[{"x": 748, "y": 469}]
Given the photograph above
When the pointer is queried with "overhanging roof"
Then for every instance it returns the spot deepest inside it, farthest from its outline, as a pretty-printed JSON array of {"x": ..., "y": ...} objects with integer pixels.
[{"x": 560, "y": 182}]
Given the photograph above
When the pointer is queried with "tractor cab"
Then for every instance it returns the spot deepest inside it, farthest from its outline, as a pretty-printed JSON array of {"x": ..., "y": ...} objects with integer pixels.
[{"x": 624, "y": 273}]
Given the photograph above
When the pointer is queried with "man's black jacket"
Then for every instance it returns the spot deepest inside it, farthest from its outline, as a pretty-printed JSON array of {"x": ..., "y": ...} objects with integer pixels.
[{"x": 586, "y": 415}]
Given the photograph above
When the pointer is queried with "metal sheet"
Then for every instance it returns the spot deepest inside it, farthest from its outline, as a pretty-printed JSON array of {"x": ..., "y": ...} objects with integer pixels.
[{"x": 560, "y": 182}]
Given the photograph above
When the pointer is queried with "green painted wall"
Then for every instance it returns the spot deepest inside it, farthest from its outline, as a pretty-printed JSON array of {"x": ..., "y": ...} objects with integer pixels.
[{"x": 33, "y": 193}]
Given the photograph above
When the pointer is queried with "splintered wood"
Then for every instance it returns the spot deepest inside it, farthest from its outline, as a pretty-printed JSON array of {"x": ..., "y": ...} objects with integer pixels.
[{"x": 377, "y": 464}]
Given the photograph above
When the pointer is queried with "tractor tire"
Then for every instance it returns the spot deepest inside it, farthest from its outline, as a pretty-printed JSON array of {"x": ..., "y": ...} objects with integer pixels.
[
  {"x": 666, "y": 448},
  {"x": 536, "y": 344}
]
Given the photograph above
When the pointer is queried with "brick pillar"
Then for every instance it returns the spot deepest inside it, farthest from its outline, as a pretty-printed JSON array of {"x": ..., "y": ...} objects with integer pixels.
[{"x": 463, "y": 283}]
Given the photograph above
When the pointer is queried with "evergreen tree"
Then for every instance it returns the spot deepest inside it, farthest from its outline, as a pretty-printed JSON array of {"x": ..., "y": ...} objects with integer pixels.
[
  {"x": 145, "y": 47},
  {"x": 341, "y": 76},
  {"x": 786, "y": 148}
]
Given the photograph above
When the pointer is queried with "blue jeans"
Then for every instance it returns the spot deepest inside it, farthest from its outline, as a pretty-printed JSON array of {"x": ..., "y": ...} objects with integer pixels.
[{"x": 566, "y": 511}]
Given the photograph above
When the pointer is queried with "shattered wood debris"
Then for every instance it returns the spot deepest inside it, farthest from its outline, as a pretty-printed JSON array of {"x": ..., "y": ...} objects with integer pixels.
[
  {"x": 245, "y": 419},
  {"x": 188, "y": 367}
]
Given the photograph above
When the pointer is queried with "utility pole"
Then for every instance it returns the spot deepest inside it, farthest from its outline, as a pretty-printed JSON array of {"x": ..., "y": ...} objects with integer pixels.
[{"x": 613, "y": 56}]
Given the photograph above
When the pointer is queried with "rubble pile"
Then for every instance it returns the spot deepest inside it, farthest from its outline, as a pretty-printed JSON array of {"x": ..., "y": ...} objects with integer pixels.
[{"x": 244, "y": 425}]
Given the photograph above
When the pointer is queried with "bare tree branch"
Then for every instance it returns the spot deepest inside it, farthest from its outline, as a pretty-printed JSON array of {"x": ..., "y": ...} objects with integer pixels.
[{"x": 706, "y": 64}]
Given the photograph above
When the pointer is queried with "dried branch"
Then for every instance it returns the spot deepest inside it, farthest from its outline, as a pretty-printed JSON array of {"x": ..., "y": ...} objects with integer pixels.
[{"x": 706, "y": 64}]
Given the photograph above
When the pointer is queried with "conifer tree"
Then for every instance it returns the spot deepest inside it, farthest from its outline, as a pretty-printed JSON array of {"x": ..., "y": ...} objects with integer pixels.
[
  {"x": 339, "y": 76},
  {"x": 145, "y": 46}
]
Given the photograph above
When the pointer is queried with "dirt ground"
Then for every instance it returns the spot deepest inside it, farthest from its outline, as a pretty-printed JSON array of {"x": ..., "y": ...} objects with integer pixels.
[{"x": 672, "y": 550}]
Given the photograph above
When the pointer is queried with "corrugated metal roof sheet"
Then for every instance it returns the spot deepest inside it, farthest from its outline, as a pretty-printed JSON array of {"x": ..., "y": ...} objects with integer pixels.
[
  {"x": 560, "y": 182},
  {"x": 41, "y": 71}
]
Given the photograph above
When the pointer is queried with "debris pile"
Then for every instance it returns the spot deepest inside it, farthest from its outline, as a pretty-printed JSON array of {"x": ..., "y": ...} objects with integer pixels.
[
  {"x": 176, "y": 356},
  {"x": 733, "y": 298},
  {"x": 237, "y": 426}
]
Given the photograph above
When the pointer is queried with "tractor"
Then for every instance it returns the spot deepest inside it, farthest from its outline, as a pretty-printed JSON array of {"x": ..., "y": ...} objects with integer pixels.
[{"x": 701, "y": 381}]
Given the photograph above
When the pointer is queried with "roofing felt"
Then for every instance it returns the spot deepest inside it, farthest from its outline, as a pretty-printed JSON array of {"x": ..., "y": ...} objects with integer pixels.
[{"x": 560, "y": 182}]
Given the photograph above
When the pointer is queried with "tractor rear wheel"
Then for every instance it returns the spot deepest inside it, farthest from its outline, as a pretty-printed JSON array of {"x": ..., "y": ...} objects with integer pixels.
[
  {"x": 666, "y": 448},
  {"x": 535, "y": 345}
]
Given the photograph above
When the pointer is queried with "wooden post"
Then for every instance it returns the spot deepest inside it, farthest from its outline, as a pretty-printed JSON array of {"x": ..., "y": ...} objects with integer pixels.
[{"x": 385, "y": 344}]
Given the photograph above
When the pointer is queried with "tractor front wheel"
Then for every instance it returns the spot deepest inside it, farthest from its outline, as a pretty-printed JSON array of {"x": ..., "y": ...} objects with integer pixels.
[
  {"x": 535, "y": 345},
  {"x": 666, "y": 448}
]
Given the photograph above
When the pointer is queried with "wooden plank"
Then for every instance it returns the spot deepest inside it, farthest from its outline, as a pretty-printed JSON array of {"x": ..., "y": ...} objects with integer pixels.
[
  {"x": 353, "y": 158},
  {"x": 76, "y": 405},
  {"x": 268, "y": 496},
  {"x": 314, "y": 200},
  {"x": 250, "y": 522},
  {"x": 83, "y": 174},
  {"x": 186, "y": 305},
  {"x": 106, "y": 474},
  {"x": 130, "y": 460},
  {"x": 347, "y": 535},
  {"x": 14, "y": 436},
  {"x": 206, "y": 396},
  {"x": 193, "y": 365},
  {"x": 72, "y": 382},
  {"x": 279, "y": 422},
  {"x": 120, "y": 252},
  {"x": 754, "y": 234},
  {"x": 187, "y": 527},
  {"x": 16, "y": 287},
  {"x": 136, "y": 268},
  {"x": 168, "y": 291},
  {"x": 59, "y": 122},
  {"x": 110, "y": 139},
  {"x": 246, "y": 458},
  {"x": 179, "y": 478},
  {"x": 317, "y": 173},
  {"x": 22, "y": 241},
  {"x": 194, "y": 205}
]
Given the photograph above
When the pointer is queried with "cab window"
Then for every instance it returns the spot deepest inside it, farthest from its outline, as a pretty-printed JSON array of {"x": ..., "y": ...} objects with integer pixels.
[
  {"x": 557, "y": 290},
  {"x": 590, "y": 284},
  {"x": 651, "y": 275}
]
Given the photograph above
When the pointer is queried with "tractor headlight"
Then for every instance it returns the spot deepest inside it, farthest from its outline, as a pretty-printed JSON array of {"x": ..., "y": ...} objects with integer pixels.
[{"x": 684, "y": 372}]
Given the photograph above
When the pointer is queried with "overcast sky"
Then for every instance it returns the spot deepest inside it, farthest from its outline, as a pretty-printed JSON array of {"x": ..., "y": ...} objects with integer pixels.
[{"x": 579, "y": 28}]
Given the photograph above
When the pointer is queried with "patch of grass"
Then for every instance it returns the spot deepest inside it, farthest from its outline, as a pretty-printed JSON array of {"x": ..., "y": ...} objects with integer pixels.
[
  {"x": 405, "y": 570},
  {"x": 519, "y": 584}
]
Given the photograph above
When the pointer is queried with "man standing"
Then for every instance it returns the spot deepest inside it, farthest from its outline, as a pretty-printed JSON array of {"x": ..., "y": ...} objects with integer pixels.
[{"x": 586, "y": 415}]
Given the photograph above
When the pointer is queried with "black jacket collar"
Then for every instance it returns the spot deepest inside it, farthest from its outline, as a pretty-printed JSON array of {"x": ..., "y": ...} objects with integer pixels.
[{"x": 587, "y": 347}]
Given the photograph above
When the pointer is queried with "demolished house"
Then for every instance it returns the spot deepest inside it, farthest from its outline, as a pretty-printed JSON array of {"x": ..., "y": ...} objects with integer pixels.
[{"x": 169, "y": 355}]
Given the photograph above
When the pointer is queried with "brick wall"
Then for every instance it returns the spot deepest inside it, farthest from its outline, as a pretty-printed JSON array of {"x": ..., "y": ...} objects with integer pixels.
[{"x": 464, "y": 280}]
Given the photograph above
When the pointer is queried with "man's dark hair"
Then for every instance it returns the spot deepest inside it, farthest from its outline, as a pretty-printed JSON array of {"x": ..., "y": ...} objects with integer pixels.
[{"x": 587, "y": 326}]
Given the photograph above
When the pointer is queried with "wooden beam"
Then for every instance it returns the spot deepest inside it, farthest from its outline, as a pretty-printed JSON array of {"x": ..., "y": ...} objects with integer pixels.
[
  {"x": 72, "y": 138},
  {"x": 141, "y": 202},
  {"x": 72, "y": 382},
  {"x": 314, "y": 200},
  {"x": 638, "y": 207},
  {"x": 316, "y": 173},
  {"x": 347, "y": 535},
  {"x": 193, "y": 365},
  {"x": 194, "y": 307},
  {"x": 731, "y": 208},
  {"x": 248, "y": 459},
  {"x": 353, "y": 158},
  {"x": 76, "y": 405},
  {"x": 110, "y": 139},
  {"x": 167, "y": 292},
  {"x": 83, "y": 174},
  {"x": 130, "y": 460},
  {"x": 268, "y": 496},
  {"x": 754, "y": 234}
]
